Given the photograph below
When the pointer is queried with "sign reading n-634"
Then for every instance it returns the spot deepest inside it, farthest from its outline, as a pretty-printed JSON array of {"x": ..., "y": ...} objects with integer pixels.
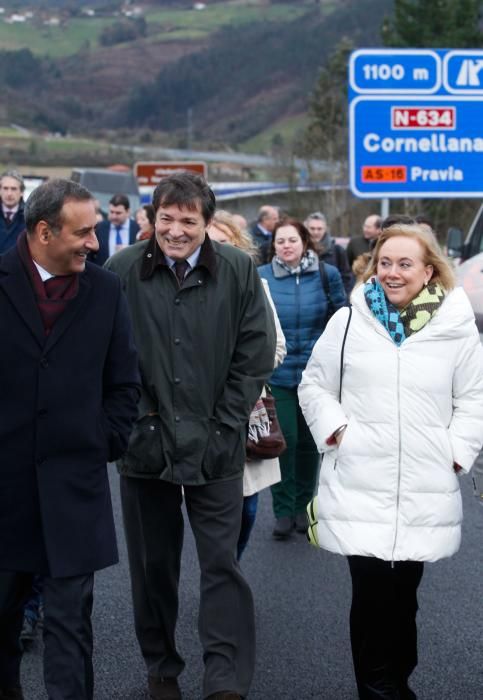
[{"x": 416, "y": 123}]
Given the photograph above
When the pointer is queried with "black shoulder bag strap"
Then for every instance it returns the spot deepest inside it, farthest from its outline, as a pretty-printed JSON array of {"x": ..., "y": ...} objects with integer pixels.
[
  {"x": 324, "y": 278},
  {"x": 338, "y": 255},
  {"x": 342, "y": 352}
]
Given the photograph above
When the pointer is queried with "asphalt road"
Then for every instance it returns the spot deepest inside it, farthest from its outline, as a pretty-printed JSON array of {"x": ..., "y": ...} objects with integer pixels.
[{"x": 302, "y": 597}]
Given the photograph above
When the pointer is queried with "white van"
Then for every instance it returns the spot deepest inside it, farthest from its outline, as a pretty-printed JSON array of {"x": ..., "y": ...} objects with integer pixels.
[{"x": 103, "y": 183}]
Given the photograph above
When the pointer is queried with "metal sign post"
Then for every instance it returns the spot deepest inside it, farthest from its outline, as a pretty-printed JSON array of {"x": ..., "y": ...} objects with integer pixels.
[{"x": 416, "y": 123}]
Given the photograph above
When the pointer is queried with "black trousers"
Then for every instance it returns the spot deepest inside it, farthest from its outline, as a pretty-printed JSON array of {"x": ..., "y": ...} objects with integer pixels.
[
  {"x": 67, "y": 635},
  {"x": 383, "y": 626},
  {"x": 153, "y": 523}
]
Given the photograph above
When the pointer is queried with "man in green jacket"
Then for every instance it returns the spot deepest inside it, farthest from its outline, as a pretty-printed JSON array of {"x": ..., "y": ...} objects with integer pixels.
[{"x": 206, "y": 341}]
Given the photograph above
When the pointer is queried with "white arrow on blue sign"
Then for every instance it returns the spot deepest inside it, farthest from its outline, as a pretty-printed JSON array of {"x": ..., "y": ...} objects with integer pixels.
[{"x": 416, "y": 123}]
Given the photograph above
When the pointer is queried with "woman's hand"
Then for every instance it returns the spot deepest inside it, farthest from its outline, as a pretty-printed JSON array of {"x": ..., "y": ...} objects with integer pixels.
[
  {"x": 339, "y": 434},
  {"x": 336, "y": 436}
]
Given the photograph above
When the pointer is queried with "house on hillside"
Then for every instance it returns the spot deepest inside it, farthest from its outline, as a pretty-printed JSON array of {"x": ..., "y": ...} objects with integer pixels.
[
  {"x": 15, "y": 19},
  {"x": 52, "y": 22}
]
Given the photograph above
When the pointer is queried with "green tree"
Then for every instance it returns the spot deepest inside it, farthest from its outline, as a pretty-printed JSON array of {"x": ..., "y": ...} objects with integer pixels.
[
  {"x": 126, "y": 30},
  {"x": 326, "y": 135},
  {"x": 19, "y": 68},
  {"x": 434, "y": 23},
  {"x": 451, "y": 24}
]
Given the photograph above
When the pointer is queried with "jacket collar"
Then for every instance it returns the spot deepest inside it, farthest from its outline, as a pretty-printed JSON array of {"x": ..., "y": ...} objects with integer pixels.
[{"x": 154, "y": 258}]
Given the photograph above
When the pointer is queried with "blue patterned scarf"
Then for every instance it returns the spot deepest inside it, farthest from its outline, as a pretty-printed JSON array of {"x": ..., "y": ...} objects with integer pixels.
[
  {"x": 401, "y": 324},
  {"x": 385, "y": 312}
]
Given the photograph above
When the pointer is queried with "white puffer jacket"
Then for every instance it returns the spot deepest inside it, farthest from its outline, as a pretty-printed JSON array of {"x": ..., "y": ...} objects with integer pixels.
[{"x": 390, "y": 490}]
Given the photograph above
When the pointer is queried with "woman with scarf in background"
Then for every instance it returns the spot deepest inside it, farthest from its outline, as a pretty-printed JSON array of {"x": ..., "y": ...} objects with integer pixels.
[{"x": 397, "y": 427}]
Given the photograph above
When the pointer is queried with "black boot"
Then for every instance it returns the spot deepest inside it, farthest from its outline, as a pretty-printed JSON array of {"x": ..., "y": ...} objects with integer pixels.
[{"x": 283, "y": 527}]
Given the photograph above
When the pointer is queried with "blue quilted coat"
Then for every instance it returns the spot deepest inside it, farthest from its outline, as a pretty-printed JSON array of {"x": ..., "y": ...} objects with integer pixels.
[{"x": 302, "y": 308}]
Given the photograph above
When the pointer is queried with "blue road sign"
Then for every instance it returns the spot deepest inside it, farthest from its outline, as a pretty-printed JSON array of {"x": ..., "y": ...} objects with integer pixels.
[{"x": 416, "y": 123}]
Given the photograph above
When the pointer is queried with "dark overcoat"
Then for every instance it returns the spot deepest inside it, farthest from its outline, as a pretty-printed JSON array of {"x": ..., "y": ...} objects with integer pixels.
[
  {"x": 263, "y": 243},
  {"x": 205, "y": 351},
  {"x": 10, "y": 232},
  {"x": 67, "y": 403}
]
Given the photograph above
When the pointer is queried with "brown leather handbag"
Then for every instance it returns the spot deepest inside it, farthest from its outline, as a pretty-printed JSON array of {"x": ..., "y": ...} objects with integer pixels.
[{"x": 274, "y": 444}]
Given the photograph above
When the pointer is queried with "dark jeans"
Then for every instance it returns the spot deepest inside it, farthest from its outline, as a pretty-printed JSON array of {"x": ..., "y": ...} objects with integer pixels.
[
  {"x": 67, "y": 633},
  {"x": 383, "y": 626},
  {"x": 249, "y": 514},
  {"x": 299, "y": 464},
  {"x": 153, "y": 522}
]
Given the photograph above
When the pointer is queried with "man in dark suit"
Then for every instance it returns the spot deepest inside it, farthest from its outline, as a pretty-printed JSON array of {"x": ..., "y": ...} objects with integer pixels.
[
  {"x": 70, "y": 384},
  {"x": 327, "y": 249},
  {"x": 12, "y": 221},
  {"x": 117, "y": 232},
  {"x": 262, "y": 232}
]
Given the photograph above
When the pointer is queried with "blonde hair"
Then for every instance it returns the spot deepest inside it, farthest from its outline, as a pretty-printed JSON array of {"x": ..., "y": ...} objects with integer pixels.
[
  {"x": 359, "y": 266},
  {"x": 432, "y": 254},
  {"x": 240, "y": 239}
]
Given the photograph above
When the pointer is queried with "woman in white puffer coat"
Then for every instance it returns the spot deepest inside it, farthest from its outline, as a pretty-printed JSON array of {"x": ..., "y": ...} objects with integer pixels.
[{"x": 409, "y": 418}]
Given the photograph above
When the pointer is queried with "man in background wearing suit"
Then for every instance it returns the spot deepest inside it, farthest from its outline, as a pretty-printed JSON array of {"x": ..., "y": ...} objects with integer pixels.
[
  {"x": 12, "y": 222},
  {"x": 358, "y": 245},
  {"x": 262, "y": 232},
  {"x": 117, "y": 232}
]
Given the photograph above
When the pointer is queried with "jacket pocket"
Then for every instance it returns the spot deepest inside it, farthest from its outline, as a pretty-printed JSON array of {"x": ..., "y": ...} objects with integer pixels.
[
  {"x": 225, "y": 453},
  {"x": 347, "y": 436},
  {"x": 145, "y": 448}
]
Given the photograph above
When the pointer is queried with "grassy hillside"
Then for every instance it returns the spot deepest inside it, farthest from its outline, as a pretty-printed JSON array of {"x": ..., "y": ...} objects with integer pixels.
[
  {"x": 166, "y": 23},
  {"x": 238, "y": 89},
  {"x": 278, "y": 134},
  {"x": 242, "y": 69},
  {"x": 163, "y": 24}
]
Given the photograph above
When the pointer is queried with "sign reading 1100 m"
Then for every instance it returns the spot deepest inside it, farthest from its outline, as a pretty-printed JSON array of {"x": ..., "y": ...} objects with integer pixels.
[{"x": 416, "y": 123}]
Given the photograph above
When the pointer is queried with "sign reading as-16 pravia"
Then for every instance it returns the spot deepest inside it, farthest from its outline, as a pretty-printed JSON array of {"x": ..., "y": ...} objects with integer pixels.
[{"x": 416, "y": 123}]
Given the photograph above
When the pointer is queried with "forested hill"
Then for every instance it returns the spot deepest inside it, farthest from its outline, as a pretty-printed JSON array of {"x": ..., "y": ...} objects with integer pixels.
[
  {"x": 146, "y": 73},
  {"x": 247, "y": 79}
]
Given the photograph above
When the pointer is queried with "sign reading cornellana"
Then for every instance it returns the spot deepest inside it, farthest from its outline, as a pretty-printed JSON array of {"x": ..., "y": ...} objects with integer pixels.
[{"x": 416, "y": 123}]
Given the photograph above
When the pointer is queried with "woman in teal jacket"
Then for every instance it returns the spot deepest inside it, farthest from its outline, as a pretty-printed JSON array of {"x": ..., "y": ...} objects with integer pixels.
[{"x": 305, "y": 294}]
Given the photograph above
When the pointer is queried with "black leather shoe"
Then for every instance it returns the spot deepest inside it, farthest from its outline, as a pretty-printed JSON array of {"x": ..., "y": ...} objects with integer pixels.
[
  {"x": 224, "y": 695},
  {"x": 406, "y": 693},
  {"x": 14, "y": 693},
  {"x": 283, "y": 527},
  {"x": 163, "y": 688},
  {"x": 301, "y": 523}
]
